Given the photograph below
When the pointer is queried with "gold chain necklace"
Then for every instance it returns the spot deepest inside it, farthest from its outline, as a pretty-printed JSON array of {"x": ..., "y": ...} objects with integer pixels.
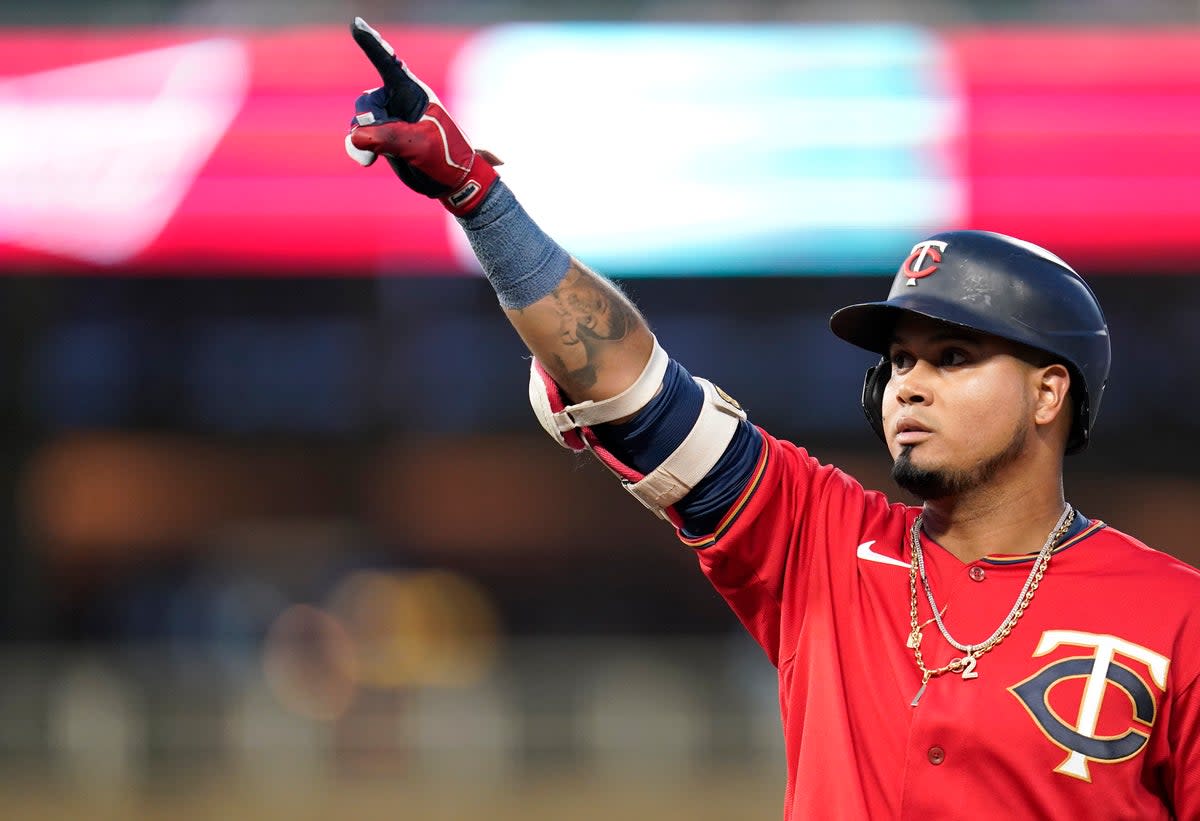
[{"x": 966, "y": 664}]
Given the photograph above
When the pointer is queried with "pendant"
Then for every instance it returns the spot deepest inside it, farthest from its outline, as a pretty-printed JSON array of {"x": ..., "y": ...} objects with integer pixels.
[
  {"x": 921, "y": 692},
  {"x": 914, "y": 639},
  {"x": 968, "y": 672}
]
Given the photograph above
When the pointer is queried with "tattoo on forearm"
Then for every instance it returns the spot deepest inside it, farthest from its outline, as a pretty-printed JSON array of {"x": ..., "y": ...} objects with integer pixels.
[
  {"x": 573, "y": 378},
  {"x": 592, "y": 314}
]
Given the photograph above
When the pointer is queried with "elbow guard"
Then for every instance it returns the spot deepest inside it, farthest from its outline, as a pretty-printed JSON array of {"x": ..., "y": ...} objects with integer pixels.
[{"x": 572, "y": 427}]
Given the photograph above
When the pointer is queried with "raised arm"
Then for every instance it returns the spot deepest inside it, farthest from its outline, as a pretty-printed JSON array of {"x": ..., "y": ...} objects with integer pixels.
[
  {"x": 600, "y": 381},
  {"x": 578, "y": 325}
]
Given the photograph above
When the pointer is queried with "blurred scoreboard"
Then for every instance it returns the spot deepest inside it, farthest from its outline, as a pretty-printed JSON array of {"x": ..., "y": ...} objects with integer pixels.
[{"x": 654, "y": 150}]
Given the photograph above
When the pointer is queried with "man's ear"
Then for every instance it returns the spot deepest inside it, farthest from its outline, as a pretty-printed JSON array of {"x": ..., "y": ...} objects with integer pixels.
[{"x": 1053, "y": 394}]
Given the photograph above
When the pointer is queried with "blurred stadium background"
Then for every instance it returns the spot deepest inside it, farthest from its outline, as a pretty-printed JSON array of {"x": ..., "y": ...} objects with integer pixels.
[{"x": 280, "y": 536}]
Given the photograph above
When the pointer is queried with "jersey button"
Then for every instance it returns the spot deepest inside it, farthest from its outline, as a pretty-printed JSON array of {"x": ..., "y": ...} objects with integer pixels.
[
  {"x": 936, "y": 755},
  {"x": 977, "y": 573}
]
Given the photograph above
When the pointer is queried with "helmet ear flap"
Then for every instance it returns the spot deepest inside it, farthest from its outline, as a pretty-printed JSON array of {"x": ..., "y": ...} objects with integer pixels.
[
  {"x": 872, "y": 394},
  {"x": 1080, "y": 433}
]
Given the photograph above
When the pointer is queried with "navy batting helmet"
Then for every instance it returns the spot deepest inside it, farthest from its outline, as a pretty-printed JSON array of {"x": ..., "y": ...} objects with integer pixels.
[{"x": 1000, "y": 286}]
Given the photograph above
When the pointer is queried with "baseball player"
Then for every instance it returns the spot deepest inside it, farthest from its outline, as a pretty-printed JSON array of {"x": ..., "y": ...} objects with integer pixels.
[{"x": 992, "y": 654}]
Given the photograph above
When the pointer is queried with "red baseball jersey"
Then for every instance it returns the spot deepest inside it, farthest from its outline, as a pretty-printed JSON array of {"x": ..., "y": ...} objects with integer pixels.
[{"x": 1088, "y": 709}]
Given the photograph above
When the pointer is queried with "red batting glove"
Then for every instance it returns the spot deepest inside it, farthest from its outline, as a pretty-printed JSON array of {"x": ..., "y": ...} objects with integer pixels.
[{"x": 404, "y": 121}]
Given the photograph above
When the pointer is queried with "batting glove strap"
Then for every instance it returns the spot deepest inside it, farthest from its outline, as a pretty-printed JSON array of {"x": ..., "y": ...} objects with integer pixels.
[{"x": 469, "y": 195}]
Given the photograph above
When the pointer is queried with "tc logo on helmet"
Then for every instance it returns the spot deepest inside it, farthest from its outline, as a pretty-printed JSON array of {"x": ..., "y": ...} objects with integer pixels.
[{"x": 923, "y": 261}]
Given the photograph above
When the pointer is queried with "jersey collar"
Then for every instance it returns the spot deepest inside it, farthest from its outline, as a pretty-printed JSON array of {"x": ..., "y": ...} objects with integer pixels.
[{"x": 1080, "y": 529}]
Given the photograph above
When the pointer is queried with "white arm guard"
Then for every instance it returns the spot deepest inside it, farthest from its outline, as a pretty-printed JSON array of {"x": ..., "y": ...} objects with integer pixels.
[
  {"x": 697, "y": 453},
  {"x": 570, "y": 426},
  {"x": 557, "y": 419}
]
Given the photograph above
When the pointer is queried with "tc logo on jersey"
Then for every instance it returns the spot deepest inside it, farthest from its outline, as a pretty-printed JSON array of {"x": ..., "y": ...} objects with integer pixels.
[
  {"x": 1097, "y": 670},
  {"x": 923, "y": 261}
]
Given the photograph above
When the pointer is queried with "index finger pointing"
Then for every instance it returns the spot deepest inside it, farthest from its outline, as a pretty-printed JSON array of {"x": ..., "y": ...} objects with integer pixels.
[{"x": 379, "y": 52}]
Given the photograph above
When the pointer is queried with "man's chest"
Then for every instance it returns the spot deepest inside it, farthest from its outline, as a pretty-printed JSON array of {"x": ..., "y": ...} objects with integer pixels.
[{"x": 1064, "y": 699}]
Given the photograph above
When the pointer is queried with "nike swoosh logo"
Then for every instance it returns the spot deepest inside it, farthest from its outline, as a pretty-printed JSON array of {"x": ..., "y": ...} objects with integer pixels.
[{"x": 867, "y": 554}]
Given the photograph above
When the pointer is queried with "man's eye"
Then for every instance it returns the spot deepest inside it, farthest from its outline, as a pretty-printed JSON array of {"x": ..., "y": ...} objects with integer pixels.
[
  {"x": 953, "y": 356},
  {"x": 901, "y": 361}
]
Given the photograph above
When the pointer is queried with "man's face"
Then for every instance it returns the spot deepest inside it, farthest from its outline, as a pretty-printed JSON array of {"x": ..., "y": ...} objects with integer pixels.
[{"x": 958, "y": 408}]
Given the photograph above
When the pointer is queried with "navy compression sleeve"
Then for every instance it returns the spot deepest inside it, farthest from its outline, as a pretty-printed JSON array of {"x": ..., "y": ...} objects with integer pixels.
[{"x": 654, "y": 433}]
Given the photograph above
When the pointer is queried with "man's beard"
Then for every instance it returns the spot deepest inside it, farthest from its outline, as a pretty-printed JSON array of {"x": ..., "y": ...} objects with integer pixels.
[{"x": 928, "y": 484}]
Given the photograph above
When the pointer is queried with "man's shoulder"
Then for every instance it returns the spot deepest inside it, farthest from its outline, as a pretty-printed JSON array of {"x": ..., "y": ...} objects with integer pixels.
[{"x": 1128, "y": 555}]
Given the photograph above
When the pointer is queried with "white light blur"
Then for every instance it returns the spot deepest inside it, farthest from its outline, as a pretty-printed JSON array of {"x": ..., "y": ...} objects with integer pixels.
[{"x": 96, "y": 157}]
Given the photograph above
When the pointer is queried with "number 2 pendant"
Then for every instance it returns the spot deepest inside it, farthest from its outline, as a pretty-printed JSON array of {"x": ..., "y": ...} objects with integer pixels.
[{"x": 969, "y": 669}]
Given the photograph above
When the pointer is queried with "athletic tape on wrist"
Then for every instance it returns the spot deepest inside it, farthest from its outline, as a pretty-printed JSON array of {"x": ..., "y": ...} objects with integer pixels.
[{"x": 521, "y": 262}]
